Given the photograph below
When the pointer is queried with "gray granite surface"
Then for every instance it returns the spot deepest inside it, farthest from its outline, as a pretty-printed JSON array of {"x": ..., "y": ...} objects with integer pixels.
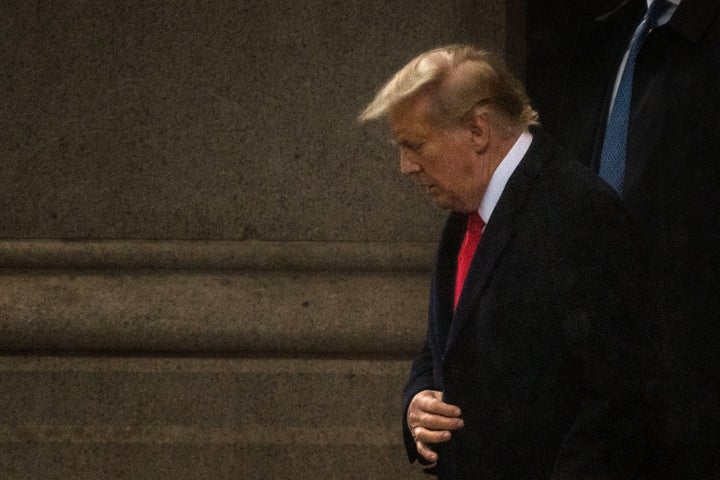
[
  {"x": 212, "y": 120},
  {"x": 208, "y": 270}
]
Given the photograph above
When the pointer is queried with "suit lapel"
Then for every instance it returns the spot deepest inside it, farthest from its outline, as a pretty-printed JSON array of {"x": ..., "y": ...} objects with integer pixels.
[{"x": 498, "y": 234}]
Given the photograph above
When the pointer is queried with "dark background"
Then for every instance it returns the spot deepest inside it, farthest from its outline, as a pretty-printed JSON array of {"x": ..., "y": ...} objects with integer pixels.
[{"x": 550, "y": 27}]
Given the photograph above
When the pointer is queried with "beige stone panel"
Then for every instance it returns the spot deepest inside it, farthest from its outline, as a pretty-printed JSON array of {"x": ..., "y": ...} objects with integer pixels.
[
  {"x": 197, "y": 418},
  {"x": 217, "y": 255},
  {"x": 256, "y": 311},
  {"x": 220, "y": 119}
]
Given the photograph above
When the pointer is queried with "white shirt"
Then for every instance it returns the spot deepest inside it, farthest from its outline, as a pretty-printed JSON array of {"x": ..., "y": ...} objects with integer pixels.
[
  {"x": 661, "y": 21},
  {"x": 502, "y": 174}
]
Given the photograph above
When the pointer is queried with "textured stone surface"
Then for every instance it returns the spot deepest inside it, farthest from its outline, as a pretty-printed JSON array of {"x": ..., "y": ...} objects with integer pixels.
[
  {"x": 274, "y": 347},
  {"x": 200, "y": 418},
  {"x": 213, "y": 312},
  {"x": 217, "y": 255},
  {"x": 63, "y": 461},
  {"x": 300, "y": 354},
  {"x": 212, "y": 120},
  {"x": 294, "y": 297}
]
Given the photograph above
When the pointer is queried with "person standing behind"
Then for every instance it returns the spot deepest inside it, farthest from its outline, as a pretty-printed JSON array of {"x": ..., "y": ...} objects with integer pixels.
[
  {"x": 641, "y": 106},
  {"x": 537, "y": 343}
]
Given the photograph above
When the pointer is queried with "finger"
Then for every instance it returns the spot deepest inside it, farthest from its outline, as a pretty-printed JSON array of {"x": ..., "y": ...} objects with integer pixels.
[
  {"x": 431, "y": 436},
  {"x": 439, "y": 407},
  {"x": 423, "y": 411},
  {"x": 434, "y": 422},
  {"x": 426, "y": 452},
  {"x": 431, "y": 401}
]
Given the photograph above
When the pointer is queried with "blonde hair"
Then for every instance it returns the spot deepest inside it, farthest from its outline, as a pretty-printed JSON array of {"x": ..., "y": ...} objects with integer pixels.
[{"x": 459, "y": 78}]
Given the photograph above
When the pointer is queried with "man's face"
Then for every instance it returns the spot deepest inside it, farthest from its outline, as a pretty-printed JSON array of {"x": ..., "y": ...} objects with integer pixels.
[{"x": 443, "y": 160}]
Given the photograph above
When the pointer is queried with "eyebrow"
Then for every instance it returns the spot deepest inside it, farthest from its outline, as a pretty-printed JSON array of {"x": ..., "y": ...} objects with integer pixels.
[{"x": 407, "y": 143}]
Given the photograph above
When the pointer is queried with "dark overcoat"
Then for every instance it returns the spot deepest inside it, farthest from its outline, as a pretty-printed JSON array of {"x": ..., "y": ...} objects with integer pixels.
[
  {"x": 549, "y": 346},
  {"x": 672, "y": 190}
]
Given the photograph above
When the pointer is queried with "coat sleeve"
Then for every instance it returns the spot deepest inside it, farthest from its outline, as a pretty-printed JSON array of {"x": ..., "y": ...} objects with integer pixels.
[
  {"x": 608, "y": 331},
  {"x": 421, "y": 378}
]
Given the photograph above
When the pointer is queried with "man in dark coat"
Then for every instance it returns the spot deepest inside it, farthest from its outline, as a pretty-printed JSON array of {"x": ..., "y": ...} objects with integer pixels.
[
  {"x": 537, "y": 344},
  {"x": 671, "y": 187}
]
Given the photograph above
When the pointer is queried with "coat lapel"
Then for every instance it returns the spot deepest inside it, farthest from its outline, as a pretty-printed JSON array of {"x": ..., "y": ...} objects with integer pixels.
[
  {"x": 498, "y": 234},
  {"x": 444, "y": 278}
]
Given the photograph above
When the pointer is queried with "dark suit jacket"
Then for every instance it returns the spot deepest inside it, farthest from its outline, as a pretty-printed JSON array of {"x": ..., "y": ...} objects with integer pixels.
[
  {"x": 672, "y": 189},
  {"x": 547, "y": 349}
]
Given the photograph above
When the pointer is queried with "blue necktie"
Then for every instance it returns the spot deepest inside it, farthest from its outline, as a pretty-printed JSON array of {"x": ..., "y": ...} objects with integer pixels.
[{"x": 612, "y": 158}]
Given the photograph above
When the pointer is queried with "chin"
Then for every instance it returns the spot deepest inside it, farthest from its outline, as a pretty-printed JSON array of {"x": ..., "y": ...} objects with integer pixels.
[
  {"x": 443, "y": 204},
  {"x": 461, "y": 209},
  {"x": 442, "y": 201},
  {"x": 449, "y": 206}
]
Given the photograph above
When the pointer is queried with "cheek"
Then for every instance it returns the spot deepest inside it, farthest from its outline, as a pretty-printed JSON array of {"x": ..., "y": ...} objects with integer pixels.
[
  {"x": 467, "y": 170},
  {"x": 463, "y": 171}
]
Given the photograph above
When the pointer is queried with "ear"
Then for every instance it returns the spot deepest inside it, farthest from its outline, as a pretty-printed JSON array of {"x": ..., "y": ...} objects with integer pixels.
[{"x": 479, "y": 127}]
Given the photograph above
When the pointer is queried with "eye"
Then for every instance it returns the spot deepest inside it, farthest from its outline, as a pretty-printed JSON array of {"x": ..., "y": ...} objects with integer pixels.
[{"x": 412, "y": 146}]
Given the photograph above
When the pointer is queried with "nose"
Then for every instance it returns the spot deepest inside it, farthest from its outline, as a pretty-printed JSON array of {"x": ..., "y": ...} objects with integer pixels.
[{"x": 407, "y": 164}]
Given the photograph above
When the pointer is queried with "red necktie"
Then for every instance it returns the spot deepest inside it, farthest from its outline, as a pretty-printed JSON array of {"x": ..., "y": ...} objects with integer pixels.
[{"x": 473, "y": 232}]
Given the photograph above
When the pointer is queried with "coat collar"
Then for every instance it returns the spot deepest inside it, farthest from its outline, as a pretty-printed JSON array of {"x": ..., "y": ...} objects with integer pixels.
[
  {"x": 498, "y": 232},
  {"x": 693, "y": 18}
]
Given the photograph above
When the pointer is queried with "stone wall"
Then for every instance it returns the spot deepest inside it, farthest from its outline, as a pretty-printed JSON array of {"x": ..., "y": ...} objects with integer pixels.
[{"x": 207, "y": 268}]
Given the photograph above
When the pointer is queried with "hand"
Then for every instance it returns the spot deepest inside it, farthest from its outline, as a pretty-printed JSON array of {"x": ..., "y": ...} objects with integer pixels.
[{"x": 431, "y": 420}]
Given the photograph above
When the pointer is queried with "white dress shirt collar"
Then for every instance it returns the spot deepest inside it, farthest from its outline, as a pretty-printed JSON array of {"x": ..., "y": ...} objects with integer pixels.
[{"x": 502, "y": 175}]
